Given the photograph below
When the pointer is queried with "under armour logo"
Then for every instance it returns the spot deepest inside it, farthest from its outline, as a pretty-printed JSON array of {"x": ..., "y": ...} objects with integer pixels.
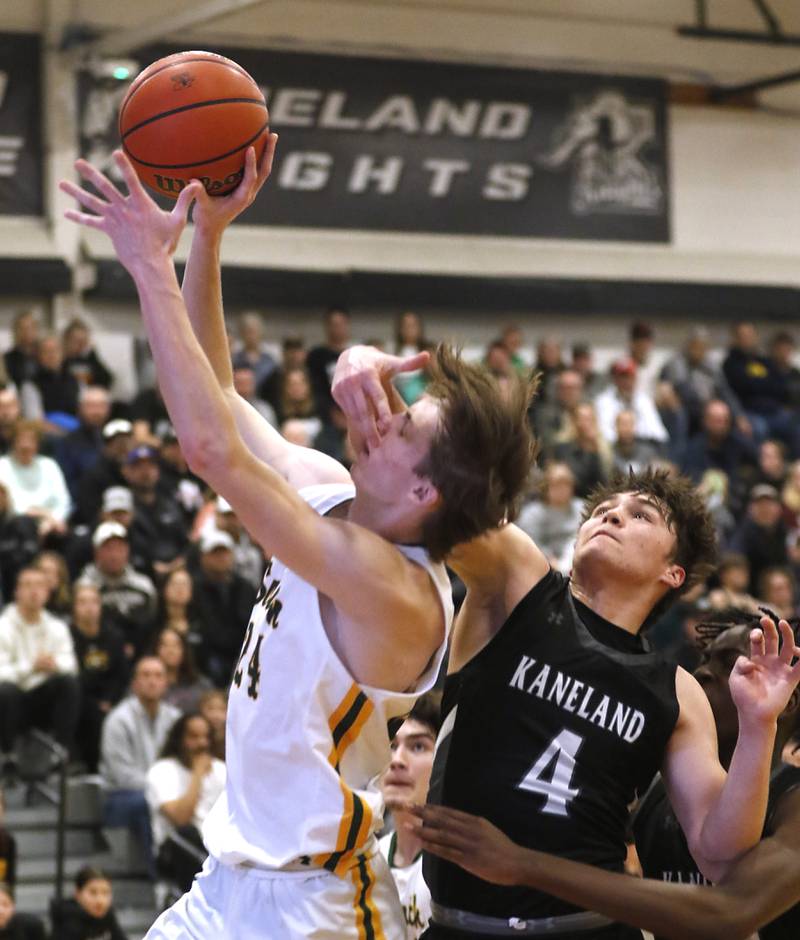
[{"x": 555, "y": 616}]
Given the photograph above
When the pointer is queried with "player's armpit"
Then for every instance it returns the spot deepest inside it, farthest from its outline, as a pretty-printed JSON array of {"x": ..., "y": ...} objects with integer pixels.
[{"x": 503, "y": 561}]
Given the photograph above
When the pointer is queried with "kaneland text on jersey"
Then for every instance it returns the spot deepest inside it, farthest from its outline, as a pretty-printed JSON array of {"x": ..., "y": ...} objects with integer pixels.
[{"x": 553, "y": 685}]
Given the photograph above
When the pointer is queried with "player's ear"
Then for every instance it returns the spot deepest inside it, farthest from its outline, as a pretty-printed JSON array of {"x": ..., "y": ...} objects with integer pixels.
[
  {"x": 424, "y": 493},
  {"x": 674, "y": 576}
]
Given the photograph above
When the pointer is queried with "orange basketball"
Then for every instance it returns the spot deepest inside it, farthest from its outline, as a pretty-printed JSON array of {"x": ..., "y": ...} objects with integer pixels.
[{"x": 192, "y": 115}]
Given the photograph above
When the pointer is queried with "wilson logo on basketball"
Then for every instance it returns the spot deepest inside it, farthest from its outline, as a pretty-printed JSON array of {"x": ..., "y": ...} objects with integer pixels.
[{"x": 171, "y": 186}]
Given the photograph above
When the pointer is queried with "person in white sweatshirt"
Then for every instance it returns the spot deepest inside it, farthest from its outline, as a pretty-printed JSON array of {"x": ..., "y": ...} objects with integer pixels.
[{"x": 38, "y": 669}]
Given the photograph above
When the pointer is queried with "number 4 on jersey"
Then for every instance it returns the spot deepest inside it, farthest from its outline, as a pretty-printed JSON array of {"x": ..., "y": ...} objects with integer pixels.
[{"x": 562, "y": 749}]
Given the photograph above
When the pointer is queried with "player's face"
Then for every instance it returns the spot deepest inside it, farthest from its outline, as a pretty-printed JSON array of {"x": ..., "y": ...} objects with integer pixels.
[
  {"x": 95, "y": 897},
  {"x": 628, "y": 534},
  {"x": 409, "y": 772},
  {"x": 715, "y": 667}
]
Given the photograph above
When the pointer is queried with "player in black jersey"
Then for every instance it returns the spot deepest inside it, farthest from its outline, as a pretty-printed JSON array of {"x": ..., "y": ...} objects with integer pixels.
[
  {"x": 569, "y": 711},
  {"x": 761, "y": 891}
]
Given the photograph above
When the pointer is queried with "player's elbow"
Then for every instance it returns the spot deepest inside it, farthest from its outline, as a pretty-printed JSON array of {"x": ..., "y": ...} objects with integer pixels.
[{"x": 207, "y": 455}]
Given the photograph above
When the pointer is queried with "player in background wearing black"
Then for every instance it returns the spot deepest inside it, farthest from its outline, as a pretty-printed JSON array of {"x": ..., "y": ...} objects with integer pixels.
[
  {"x": 572, "y": 713},
  {"x": 760, "y": 892}
]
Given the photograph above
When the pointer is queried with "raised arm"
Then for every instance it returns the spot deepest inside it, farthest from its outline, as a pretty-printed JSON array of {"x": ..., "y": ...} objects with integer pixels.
[
  {"x": 761, "y": 885},
  {"x": 202, "y": 292}
]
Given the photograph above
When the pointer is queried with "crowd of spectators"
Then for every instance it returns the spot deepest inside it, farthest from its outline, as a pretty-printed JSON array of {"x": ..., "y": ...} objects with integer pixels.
[{"x": 126, "y": 585}]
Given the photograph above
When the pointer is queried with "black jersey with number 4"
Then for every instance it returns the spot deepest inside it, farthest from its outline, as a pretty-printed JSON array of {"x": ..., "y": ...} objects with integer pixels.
[{"x": 550, "y": 732}]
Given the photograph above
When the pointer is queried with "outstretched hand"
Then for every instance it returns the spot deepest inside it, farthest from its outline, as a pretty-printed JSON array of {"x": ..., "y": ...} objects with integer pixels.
[
  {"x": 471, "y": 842},
  {"x": 359, "y": 389},
  {"x": 762, "y": 685},
  {"x": 140, "y": 231}
]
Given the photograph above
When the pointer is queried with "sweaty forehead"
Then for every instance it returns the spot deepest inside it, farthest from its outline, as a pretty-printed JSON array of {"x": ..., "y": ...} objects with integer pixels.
[{"x": 426, "y": 412}]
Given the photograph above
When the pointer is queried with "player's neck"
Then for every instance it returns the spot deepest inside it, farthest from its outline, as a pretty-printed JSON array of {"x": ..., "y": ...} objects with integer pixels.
[
  {"x": 407, "y": 843},
  {"x": 384, "y": 519},
  {"x": 623, "y": 605}
]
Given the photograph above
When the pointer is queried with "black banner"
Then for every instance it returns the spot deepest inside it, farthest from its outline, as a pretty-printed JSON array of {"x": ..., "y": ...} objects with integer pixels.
[
  {"x": 20, "y": 125},
  {"x": 381, "y": 144}
]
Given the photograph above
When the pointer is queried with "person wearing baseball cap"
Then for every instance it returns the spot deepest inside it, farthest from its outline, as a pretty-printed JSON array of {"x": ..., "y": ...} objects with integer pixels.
[
  {"x": 624, "y": 395},
  {"x": 106, "y": 472},
  {"x": 762, "y": 535}
]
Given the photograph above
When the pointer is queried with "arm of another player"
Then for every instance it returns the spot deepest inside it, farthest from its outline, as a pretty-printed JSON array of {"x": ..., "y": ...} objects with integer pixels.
[
  {"x": 723, "y": 815},
  {"x": 761, "y": 885},
  {"x": 202, "y": 292},
  {"x": 368, "y": 578}
]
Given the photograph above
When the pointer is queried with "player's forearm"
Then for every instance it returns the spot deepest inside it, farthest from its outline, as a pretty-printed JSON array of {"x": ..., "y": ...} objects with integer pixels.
[
  {"x": 735, "y": 821},
  {"x": 202, "y": 292}
]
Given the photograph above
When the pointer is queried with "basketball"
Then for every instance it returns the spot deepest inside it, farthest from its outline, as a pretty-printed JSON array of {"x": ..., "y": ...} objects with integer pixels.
[{"x": 192, "y": 115}]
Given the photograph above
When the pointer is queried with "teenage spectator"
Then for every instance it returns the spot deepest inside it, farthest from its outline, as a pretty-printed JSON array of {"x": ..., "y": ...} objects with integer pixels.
[
  {"x": 585, "y": 452},
  {"x": 778, "y": 591},
  {"x": 697, "y": 381},
  {"x": 133, "y": 734},
  {"x": 20, "y": 360},
  {"x": 176, "y": 480},
  {"x": 103, "y": 669},
  {"x": 128, "y": 596},
  {"x": 175, "y": 607},
  {"x": 717, "y": 446},
  {"x": 321, "y": 360},
  {"x": 582, "y": 363},
  {"x": 35, "y": 482},
  {"x": 297, "y": 402},
  {"x": 715, "y": 490},
  {"x": 405, "y": 782},
  {"x": 89, "y": 914},
  {"x": 293, "y": 356},
  {"x": 248, "y": 559},
  {"x": 641, "y": 339},
  {"x": 498, "y": 360},
  {"x": 762, "y": 535},
  {"x": 549, "y": 363},
  {"x": 781, "y": 351},
  {"x": 181, "y": 788},
  {"x": 761, "y": 389},
  {"x": 213, "y": 707},
  {"x": 772, "y": 467},
  {"x": 185, "y": 685},
  {"x": 223, "y": 601},
  {"x": 8, "y": 850},
  {"x": 251, "y": 351},
  {"x": 59, "y": 588},
  {"x": 105, "y": 472},
  {"x": 513, "y": 340},
  {"x": 19, "y": 543},
  {"x": 80, "y": 357},
  {"x": 244, "y": 381},
  {"x": 629, "y": 451},
  {"x": 734, "y": 585},
  {"x": 80, "y": 450},
  {"x": 553, "y": 419},
  {"x": 14, "y": 926},
  {"x": 623, "y": 395},
  {"x": 10, "y": 413},
  {"x": 52, "y": 393},
  {"x": 38, "y": 670},
  {"x": 409, "y": 339},
  {"x": 158, "y": 531},
  {"x": 553, "y": 521}
]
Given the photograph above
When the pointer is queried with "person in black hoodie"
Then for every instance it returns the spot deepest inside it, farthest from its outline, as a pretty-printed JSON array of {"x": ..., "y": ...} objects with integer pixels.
[
  {"x": 89, "y": 915},
  {"x": 14, "y": 926}
]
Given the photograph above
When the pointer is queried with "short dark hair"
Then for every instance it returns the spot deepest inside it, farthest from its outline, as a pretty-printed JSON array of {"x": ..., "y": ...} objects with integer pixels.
[
  {"x": 686, "y": 515},
  {"x": 89, "y": 873},
  {"x": 427, "y": 711},
  {"x": 481, "y": 454},
  {"x": 174, "y": 740}
]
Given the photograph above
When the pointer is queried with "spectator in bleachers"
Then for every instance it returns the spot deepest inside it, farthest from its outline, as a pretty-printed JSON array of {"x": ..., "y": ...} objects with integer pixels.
[
  {"x": 641, "y": 340},
  {"x": 52, "y": 394},
  {"x": 176, "y": 479},
  {"x": 781, "y": 352},
  {"x": 81, "y": 359},
  {"x": 297, "y": 402},
  {"x": 715, "y": 490},
  {"x": 629, "y": 451},
  {"x": 772, "y": 466},
  {"x": 555, "y": 418},
  {"x": 513, "y": 339},
  {"x": 582, "y": 363},
  {"x": 585, "y": 451},
  {"x": 105, "y": 472},
  {"x": 248, "y": 559},
  {"x": 79, "y": 450},
  {"x": 128, "y": 596},
  {"x": 293, "y": 356},
  {"x": 624, "y": 395},
  {"x": 321, "y": 360},
  {"x": 103, "y": 669},
  {"x": 10, "y": 413},
  {"x": 734, "y": 585},
  {"x": 185, "y": 684},
  {"x": 214, "y": 708},
  {"x": 251, "y": 351},
  {"x": 59, "y": 587},
  {"x": 175, "y": 607},
  {"x": 717, "y": 446},
  {"x": 8, "y": 850},
  {"x": 498, "y": 360},
  {"x": 549, "y": 362},
  {"x": 790, "y": 497},
  {"x": 133, "y": 735},
  {"x": 409, "y": 339},
  {"x": 14, "y": 926},
  {"x": 761, "y": 536},
  {"x": 158, "y": 532},
  {"x": 20, "y": 360},
  {"x": 244, "y": 381},
  {"x": 553, "y": 521},
  {"x": 89, "y": 915},
  {"x": 149, "y": 416},
  {"x": 778, "y": 592},
  {"x": 181, "y": 788},
  {"x": 697, "y": 382},
  {"x": 333, "y": 438},
  {"x": 223, "y": 601},
  {"x": 19, "y": 543},
  {"x": 761, "y": 388},
  {"x": 116, "y": 506},
  {"x": 35, "y": 482},
  {"x": 38, "y": 671}
]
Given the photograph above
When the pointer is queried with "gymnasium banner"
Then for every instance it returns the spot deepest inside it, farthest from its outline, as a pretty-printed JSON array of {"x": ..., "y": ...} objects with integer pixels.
[
  {"x": 412, "y": 146},
  {"x": 20, "y": 125}
]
